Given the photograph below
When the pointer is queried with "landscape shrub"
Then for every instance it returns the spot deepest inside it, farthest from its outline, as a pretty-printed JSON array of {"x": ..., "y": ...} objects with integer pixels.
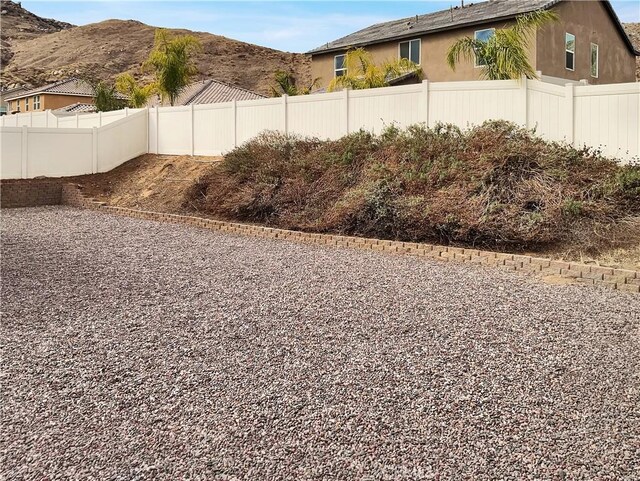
[{"x": 492, "y": 185}]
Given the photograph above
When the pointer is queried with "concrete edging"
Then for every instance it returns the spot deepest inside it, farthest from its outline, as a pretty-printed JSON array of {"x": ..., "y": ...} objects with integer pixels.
[{"x": 621, "y": 279}]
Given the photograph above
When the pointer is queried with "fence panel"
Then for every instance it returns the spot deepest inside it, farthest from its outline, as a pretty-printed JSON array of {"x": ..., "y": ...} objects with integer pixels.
[
  {"x": 174, "y": 130},
  {"x": 545, "y": 104},
  {"x": 466, "y": 104},
  {"x": 255, "y": 116},
  {"x": 375, "y": 109},
  {"x": 121, "y": 141},
  {"x": 322, "y": 117},
  {"x": 213, "y": 128},
  {"x": 59, "y": 152},
  {"x": 11, "y": 152},
  {"x": 608, "y": 117}
]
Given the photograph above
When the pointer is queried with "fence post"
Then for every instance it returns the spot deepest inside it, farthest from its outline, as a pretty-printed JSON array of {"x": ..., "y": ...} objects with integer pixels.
[
  {"x": 94, "y": 150},
  {"x": 57, "y": 121},
  {"x": 193, "y": 130},
  {"x": 147, "y": 127},
  {"x": 31, "y": 119},
  {"x": 24, "y": 152},
  {"x": 570, "y": 113},
  {"x": 285, "y": 114},
  {"x": 46, "y": 118},
  {"x": 425, "y": 101},
  {"x": 346, "y": 110},
  {"x": 157, "y": 130},
  {"x": 524, "y": 90},
  {"x": 100, "y": 118},
  {"x": 126, "y": 111},
  {"x": 77, "y": 120},
  {"x": 235, "y": 123}
]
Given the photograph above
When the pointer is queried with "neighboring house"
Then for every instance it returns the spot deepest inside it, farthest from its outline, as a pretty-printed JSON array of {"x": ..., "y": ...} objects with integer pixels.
[
  {"x": 12, "y": 92},
  {"x": 588, "y": 42},
  {"x": 51, "y": 97},
  {"x": 77, "y": 108},
  {"x": 209, "y": 92}
]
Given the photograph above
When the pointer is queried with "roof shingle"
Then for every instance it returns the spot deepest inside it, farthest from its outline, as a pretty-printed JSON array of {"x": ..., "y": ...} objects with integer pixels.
[{"x": 211, "y": 92}]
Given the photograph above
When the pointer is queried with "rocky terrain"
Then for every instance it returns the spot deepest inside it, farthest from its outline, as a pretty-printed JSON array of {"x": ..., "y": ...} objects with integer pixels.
[{"x": 40, "y": 50}]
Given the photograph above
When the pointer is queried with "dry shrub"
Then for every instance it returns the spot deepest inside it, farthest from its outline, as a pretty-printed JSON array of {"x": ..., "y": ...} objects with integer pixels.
[{"x": 493, "y": 185}]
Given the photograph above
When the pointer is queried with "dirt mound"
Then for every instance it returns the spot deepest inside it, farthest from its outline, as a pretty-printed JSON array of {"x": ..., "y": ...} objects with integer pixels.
[
  {"x": 149, "y": 182},
  {"x": 108, "y": 48}
]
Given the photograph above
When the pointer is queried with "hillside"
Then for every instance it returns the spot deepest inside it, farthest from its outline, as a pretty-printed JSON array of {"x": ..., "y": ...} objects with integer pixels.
[
  {"x": 108, "y": 48},
  {"x": 633, "y": 30},
  {"x": 19, "y": 25}
]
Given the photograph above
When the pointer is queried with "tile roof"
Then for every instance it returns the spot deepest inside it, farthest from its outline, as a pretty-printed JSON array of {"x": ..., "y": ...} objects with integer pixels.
[
  {"x": 71, "y": 86},
  {"x": 471, "y": 14},
  {"x": 211, "y": 92},
  {"x": 78, "y": 107}
]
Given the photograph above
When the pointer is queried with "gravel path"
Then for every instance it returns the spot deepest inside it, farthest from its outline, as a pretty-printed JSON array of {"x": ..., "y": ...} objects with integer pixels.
[{"x": 140, "y": 350}]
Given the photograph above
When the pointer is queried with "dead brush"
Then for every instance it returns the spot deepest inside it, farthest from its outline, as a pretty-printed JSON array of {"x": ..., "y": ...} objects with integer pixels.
[{"x": 495, "y": 185}]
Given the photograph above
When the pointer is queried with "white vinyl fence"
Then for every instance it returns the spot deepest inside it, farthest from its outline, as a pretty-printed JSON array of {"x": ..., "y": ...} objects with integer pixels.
[
  {"x": 600, "y": 116},
  {"x": 28, "y": 152}
]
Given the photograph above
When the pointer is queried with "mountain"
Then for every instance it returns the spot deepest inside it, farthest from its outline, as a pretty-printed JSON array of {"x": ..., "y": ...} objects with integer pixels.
[
  {"x": 107, "y": 48},
  {"x": 633, "y": 30},
  {"x": 19, "y": 25}
]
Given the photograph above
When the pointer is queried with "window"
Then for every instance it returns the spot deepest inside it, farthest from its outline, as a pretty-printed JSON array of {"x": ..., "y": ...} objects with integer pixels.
[
  {"x": 594, "y": 60},
  {"x": 339, "y": 68},
  {"x": 36, "y": 102},
  {"x": 482, "y": 36},
  {"x": 26, "y": 103},
  {"x": 411, "y": 50},
  {"x": 570, "y": 51}
]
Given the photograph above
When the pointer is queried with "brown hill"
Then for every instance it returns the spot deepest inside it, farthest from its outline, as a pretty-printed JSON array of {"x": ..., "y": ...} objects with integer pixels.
[
  {"x": 108, "y": 48},
  {"x": 633, "y": 30},
  {"x": 19, "y": 24}
]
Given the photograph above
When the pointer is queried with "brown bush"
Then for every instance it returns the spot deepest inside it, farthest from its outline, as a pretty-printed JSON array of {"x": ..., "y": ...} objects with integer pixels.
[{"x": 494, "y": 185}]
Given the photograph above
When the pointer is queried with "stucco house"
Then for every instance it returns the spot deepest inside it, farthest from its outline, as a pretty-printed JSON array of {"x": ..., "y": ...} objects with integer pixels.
[
  {"x": 588, "y": 43},
  {"x": 50, "y": 97}
]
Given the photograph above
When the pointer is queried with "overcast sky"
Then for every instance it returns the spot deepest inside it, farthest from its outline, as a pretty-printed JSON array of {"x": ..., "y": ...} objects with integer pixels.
[{"x": 290, "y": 26}]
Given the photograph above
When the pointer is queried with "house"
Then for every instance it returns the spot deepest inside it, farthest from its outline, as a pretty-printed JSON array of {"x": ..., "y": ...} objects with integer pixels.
[
  {"x": 77, "y": 108},
  {"x": 12, "y": 92},
  {"x": 50, "y": 97},
  {"x": 209, "y": 92},
  {"x": 588, "y": 42}
]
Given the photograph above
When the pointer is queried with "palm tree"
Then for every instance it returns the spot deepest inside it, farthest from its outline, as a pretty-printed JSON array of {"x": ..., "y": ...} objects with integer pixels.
[
  {"x": 363, "y": 73},
  {"x": 286, "y": 85},
  {"x": 106, "y": 97},
  {"x": 138, "y": 95},
  {"x": 505, "y": 54},
  {"x": 172, "y": 62}
]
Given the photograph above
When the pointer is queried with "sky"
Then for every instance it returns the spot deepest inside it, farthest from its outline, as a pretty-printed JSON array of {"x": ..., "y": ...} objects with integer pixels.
[{"x": 284, "y": 25}]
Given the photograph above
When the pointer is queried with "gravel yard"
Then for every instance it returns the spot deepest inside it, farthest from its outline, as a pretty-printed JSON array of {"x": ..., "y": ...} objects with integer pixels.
[{"x": 139, "y": 350}]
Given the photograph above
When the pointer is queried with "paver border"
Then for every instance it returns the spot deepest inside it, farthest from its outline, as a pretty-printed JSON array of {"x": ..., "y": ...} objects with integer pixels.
[{"x": 608, "y": 277}]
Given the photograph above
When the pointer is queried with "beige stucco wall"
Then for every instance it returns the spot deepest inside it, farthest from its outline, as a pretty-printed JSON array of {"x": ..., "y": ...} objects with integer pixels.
[
  {"x": 433, "y": 54},
  {"x": 587, "y": 20},
  {"x": 590, "y": 23},
  {"x": 49, "y": 101}
]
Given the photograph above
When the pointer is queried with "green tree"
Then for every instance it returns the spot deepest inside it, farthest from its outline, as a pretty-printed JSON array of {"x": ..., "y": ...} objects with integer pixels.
[
  {"x": 106, "y": 97},
  {"x": 363, "y": 73},
  {"x": 137, "y": 94},
  {"x": 286, "y": 84},
  {"x": 505, "y": 54},
  {"x": 172, "y": 62}
]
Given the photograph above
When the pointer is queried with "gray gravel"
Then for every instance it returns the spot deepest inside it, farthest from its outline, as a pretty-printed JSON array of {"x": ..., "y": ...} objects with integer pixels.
[{"x": 140, "y": 350}]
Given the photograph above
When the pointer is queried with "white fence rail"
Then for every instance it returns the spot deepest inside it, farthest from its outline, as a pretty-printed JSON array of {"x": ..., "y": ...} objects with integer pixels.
[
  {"x": 28, "y": 152},
  {"x": 601, "y": 116}
]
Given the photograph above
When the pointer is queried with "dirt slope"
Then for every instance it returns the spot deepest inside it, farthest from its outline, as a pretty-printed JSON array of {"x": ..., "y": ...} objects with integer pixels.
[
  {"x": 149, "y": 182},
  {"x": 18, "y": 25},
  {"x": 108, "y": 48}
]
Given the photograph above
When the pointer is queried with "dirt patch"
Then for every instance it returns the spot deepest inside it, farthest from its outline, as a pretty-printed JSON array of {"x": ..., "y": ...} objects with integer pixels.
[{"x": 149, "y": 182}]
